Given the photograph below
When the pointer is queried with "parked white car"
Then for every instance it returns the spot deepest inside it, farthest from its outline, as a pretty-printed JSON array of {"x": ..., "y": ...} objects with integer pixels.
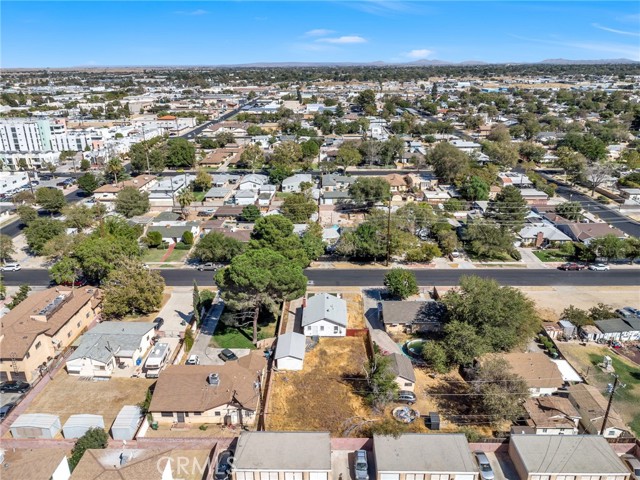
[
  {"x": 599, "y": 267},
  {"x": 10, "y": 267},
  {"x": 193, "y": 360}
]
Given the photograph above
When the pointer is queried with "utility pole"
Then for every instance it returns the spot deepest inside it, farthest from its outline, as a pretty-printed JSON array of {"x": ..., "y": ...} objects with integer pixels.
[
  {"x": 606, "y": 413},
  {"x": 388, "y": 234}
]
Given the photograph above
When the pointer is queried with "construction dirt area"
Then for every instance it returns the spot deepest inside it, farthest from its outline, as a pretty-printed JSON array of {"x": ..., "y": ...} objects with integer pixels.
[
  {"x": 68, "y": 395},
  {"x": 321, "y": 397},
  {"x": 551, "y": 301}
]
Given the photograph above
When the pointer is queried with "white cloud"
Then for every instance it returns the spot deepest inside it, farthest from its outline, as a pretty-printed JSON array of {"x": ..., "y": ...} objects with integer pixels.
[
  {"x": 192, "y": 13},
  {"x": 318, "y": 32},
  {"x": 419, "y": 53},
  {"x": 613, "y": 30},
  {"x": 346, "y": 39}
]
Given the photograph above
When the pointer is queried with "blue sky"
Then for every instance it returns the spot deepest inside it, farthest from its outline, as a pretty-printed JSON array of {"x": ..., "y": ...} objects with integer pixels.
[{"x": 76, "y": 33}]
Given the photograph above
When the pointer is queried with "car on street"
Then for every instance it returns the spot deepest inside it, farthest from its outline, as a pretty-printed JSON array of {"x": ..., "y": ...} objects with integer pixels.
[
  {"x": 207, "y": 266},
  {"x": 571, "y": 266},
  {"x": 206, "y": 213},
  {"x": 227, "y": 355},
  {"x": 193, "y": 360},
  {"x": 10, "y": 267},
  {"x": 80, "y": 282},
  {"x": 158, "y": 322},
  {"x": 361, "y": 466},
  {"x": 223, "y": 467},
  {"x": 486, "y": 472},
  {"x": 6, "y": 409},
  {"x": 406, "y": 396},
  {"x": 310, "y": 282},
  {"x": 599, "y": 267},
  {"x": 14, "y": 386}
]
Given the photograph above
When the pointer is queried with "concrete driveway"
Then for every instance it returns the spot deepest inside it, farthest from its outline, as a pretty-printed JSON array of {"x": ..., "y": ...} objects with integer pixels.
[
  {"x": 177, "y": 310},
  {"x": 371, "y": 297}
]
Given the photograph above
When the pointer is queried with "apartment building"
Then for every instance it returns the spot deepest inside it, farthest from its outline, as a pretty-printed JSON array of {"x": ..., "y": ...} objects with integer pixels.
[{"x": 42, "y": 326}]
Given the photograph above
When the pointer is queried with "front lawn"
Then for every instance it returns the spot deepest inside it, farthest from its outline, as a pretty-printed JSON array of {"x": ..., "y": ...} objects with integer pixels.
[
  {"x": 177, "y": 255},
  {"x": 551, "y": 255},
  {"x": 153, "y": 255},
  {"x": 199, "y": 196},
  {"x": 231, "y": 337}
]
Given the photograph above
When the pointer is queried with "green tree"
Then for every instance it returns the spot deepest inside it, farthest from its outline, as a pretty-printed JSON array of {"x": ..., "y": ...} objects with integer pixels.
[
  {"x": 113, "y": 170},
  {"x": 401, "y": 283},
  {"x": 7, "y": 250},
  {"x": 449, "y": 163},
  {"x": 415, "y": 217},
  {"x": 570, "y": 210},
  {"x": 348, "y": 155},
  {"x": 367, "y": 101},
  {"x": 217, "y": 247},
  {"x": 370, "y": 190},
  {"x": 259, "y": 279},
  {"x": 23, "y": 198},
  {"x": 576, "y": 316},
  {"x": 573, "y": 163},
  {"x": 475, "y": 188},
  {"x": 250, "y": 213},
  {"x": 286, "y": 154},
  {"x": 609, "y": 247},
  {"x": 181, "y": 153},
  {"x": 454, "y": 205},
  {"x": 185, "y": 198},
  {"x": 252, "y": 157},
  {"x": 61, "y": 246},
  {"x": 504, "y": 154},
  {"x": 66, "y": 271},
  {"x": 79, "y": 217},
  {"x": 51, "y": 199},
  {"x": 499, "y": 133},
  {"x": 462, "y": 343},
  {"x": 85, "y": 165},
  {"x": 381, "y": 381},
  {"x": 435, "y": 356},
  {"x": 276, "y": 233},
  {"x": 202, "y": 182},
  {"x": 132, "y": 289},
  {"x": 500, "y": 392},
  {"x": 531, "y": 152},
  {"x": 509, "y": 209},
  {"x": 88, "y": 183},
  {"x": 502, "y": 316},
  {"x": 632, "y": 249},
  {"x": 27, "y": 214},
  {"x": 425, "y": 253},
  {"x": 195, "y": 301},
  {"x": 601, "y": 311},
  {"x": 310, "y": 149},
  {"x": 298, "y": 207},
  {"x": 187, "y": 237},
  {"x": 95, "y": 438},
  {"x": 19, "y": 296},
  {"x": 488, "y": 241},
  {"x": 39, "y": 231},
  {"x": 131, "y": 202},
  {"x": 153, "y": 239},
  {"x": 312, "y": 242}
]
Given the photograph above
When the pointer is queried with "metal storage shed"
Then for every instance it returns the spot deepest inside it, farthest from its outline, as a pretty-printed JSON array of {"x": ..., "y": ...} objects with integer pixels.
[
  {"x": 36, "y": 425},
  {"x": 77, "y": 425},
  {"x": 126, "y": 423}
]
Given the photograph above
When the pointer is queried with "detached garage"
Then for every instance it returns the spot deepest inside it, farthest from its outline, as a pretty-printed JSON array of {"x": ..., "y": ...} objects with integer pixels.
[
  {"x": 282, "y": 455},
  {"x": 290, "y": 353},
  {"x": 36, "y": 425},
  {"x": 417, "y": 456},
  {"x": 126, "y": 423},
  {"x": 78, "y": 425}
]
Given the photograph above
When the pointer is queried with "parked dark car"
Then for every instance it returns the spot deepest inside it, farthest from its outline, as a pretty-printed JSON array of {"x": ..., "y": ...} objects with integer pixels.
[
  {"x": 158, "y": 322},
  {"x": 6, "y": 409},
  {"x": 227, "y": 355},
  {"x": 405, "y": 396},
  {"x": 223, "y": 468},
  {"x": 15, "y": 386},
  {"x": 81, "y": 282},
  {"x": 571, "y": 266}
]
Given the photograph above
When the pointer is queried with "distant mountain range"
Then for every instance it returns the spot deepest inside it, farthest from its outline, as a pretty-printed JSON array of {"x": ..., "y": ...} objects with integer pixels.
[{"x": 434, "y": 62}]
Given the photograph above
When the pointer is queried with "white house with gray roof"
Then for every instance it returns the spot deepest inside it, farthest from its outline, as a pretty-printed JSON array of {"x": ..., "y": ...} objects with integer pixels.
[
  {"x": 290, "y": 351},
  {"x": 108, "y": 344},
  {"x": 292, "y": 183},
  {"x": 325, "y": 315}
]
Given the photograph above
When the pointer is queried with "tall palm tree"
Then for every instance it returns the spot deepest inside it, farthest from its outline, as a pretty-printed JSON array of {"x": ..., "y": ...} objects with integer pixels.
[{"x": 184, "y": 199}]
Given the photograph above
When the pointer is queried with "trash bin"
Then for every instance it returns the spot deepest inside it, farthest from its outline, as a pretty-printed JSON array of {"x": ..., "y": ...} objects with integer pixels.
[{"x": 154, "y": 425}]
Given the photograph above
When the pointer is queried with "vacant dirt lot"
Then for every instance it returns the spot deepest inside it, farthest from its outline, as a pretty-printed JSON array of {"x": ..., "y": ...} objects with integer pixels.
[
  {"x": 321, "y": 396},
  {"x": 585, "y": 360},
  {"x": 552, "y": 301},
  {"x": 66, "y": 395}
]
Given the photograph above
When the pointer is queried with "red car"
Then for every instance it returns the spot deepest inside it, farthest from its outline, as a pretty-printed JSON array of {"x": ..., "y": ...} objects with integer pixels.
[{"x": 571, "y": 266}]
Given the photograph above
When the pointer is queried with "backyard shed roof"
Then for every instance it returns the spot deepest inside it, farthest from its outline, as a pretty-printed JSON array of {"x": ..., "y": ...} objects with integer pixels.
[{"x": 291, "y": 344}]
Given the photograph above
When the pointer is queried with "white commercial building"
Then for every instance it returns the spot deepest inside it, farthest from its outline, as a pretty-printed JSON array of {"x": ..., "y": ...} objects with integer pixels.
[{"x": 10, "y": 182}]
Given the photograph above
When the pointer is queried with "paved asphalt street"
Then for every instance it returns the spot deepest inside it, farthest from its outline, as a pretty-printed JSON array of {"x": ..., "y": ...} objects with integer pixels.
[
  {"x": 14, "y": 228},
  {"x": 374, "y": 277},
  {"x": 613, "y": 218}
]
